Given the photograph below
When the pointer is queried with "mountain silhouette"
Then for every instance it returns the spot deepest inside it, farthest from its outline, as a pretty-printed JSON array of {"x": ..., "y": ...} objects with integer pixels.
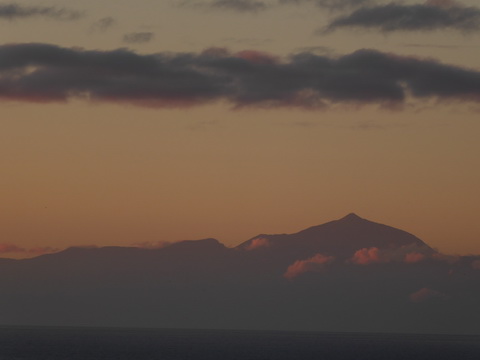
[
  {"x": 340, "y": 238},
  {"x": 350, "y": 274}
]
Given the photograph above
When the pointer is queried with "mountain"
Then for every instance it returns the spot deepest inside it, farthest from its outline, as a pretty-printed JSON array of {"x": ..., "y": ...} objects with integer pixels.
[
  {"x": 341, "y": 238},
  {"x": 349, "y": 274}
]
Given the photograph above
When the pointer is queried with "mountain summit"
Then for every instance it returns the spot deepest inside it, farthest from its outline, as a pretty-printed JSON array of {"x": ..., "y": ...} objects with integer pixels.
[
  {"x": 340, "y": 238},
  {"x": 351, "y": 217}
]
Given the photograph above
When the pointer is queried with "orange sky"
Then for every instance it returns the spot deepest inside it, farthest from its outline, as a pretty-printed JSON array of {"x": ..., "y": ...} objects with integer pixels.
[{"x": 82, "y": 173}]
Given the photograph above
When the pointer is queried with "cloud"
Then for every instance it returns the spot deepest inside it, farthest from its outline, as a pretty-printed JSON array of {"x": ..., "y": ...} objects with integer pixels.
[
  {"x": 36, "y": 72},
  {"x": 313, "y": 264},
  {"x": 426, "y": 294},
  {"x": 15, "y": 11},
  {"x": 239, "y": 5},
  {"x": 10, "y": 248},
  {"x": 408, "y": 254},
  {"x": 420, "y": 17},
  {"x": 7, "y": 248},
  {"x": 367, "y": 256},
  {"x": 414, "y": 257},
  {"x": 257, "y": 57},
  {"x": 258, "y": 243},
  {"x": 138, "y": 37},
  {"x": 242, "y": 6},
  {"x": 103, "y": 24},
  {"x": 331, "y": 4},
  {"x": 434, "y": 46}
]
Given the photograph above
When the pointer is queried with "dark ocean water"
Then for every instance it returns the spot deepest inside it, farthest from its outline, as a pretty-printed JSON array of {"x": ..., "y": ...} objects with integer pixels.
[{"x": 139, "y": 344}]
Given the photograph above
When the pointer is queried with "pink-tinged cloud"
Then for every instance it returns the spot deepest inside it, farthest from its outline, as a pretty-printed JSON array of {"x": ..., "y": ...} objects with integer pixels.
[
  {"x": 314, "y": 264},
  {"x": 258, "y": 243},
  {"x": 414, "y": 257},
  {"x": 257, "y": 57},
  {"x": 367, "y": 256},
  {"x": 476, "y": 264},
  {"x": 426, "y": 294},
  {"x": 10, "y": 248},
  {"x": 216, "y": 52},
  {"x": 407, "y": 254}
]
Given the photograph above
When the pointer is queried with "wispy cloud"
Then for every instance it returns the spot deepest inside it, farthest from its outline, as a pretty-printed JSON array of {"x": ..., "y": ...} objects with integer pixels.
[
  {"x": 138, "y": 37},
  {"x": 10, "y": 248},
  {"x": 7, "y": 248},
  {"x": 241, "y": 6},
  {"x": 103, "y": 24},
  {"x": 14, "y": 11},
  {"x": 49, "y": 73},
  {"x": 433, "y": 15},
  {"x": 331, "y": 4},
  {"x": 407, "y": 254}
]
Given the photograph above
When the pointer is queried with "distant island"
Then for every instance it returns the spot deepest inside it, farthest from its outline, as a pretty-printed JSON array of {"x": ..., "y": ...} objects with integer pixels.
[{"x": 350, "y": 274}]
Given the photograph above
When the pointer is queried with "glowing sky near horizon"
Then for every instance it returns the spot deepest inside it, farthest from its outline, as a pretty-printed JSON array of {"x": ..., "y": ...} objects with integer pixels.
[{"x": 85, "y": 172}]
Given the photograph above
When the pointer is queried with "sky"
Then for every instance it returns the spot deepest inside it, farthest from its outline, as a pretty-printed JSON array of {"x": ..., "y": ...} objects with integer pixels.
[{"x": 138, "y": 123}]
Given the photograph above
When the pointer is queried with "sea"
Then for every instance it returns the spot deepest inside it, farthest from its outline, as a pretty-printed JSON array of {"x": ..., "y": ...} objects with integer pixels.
[{"x": 55, "y": 343}]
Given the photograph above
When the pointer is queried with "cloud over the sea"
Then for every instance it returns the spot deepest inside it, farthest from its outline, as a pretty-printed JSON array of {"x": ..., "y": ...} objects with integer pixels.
[
  {"x": 433, "y": 15},
  {"x": 12, "y": 11},
  {"x": 37, "y": 72}
]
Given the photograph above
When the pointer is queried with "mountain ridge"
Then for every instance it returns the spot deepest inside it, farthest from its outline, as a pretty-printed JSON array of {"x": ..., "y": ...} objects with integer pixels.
[
  {"x": 349, "y": 274},
  {"x": 351, "y": 220}
]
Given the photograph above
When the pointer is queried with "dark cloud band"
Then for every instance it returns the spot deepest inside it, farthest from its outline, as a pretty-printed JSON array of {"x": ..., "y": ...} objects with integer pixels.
[
  {"x": 14, "y": 11},
  {"x": 46, "y": 73},
  {"x": 241, "y": 6},
  {"x": 394, "y": 17},
  {"x": 331, "y": 4}
]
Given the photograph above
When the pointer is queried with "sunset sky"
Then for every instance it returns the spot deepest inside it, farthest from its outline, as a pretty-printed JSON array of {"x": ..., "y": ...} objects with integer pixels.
[{"x": 130, "y": 123}]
